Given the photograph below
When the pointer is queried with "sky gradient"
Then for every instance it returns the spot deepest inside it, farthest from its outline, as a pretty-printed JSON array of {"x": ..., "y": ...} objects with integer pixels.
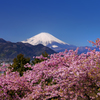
[{"x": 72, "y": 21}]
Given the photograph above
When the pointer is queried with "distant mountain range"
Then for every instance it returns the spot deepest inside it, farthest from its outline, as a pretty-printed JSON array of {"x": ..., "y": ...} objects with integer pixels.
[
  {"x": 36, "y": 45},
  {"x": 11, "y": 50},
  {"x": 50, "y": 41},
  {"x": 54, "y": 43}
]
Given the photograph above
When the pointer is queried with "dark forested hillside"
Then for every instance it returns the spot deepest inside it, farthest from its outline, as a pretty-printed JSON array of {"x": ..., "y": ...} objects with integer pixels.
[{"x": 10, "y": 50}]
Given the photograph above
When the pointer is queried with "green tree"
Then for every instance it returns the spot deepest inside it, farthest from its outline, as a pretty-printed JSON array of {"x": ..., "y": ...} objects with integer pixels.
[
  {"x": 18, "y": 64},
  {"x": 36, "y": 60},
  {"x": 45, "y": 54}
]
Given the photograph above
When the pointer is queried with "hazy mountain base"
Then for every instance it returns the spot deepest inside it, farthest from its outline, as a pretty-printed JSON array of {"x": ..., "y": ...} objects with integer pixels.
[{"x": 63, "y": 47}]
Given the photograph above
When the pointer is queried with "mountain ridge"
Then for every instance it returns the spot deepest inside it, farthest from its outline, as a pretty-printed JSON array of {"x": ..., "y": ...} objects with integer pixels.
[
  {"x": 55, "y": 43},
  {"x": 50, "y": 41},
  {"x": 11, "y": 50}
]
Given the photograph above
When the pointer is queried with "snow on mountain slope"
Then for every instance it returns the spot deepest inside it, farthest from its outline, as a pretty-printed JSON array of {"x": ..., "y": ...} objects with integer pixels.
[
  {"x": 52, "y": 42},
  {"x": 43, "y": 38}
]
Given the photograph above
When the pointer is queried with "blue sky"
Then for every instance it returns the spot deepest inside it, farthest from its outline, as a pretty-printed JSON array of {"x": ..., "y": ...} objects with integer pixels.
[{"x": 73, "y": 21}]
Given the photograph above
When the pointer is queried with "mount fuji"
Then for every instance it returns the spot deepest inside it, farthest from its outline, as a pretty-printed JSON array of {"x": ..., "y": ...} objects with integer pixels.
[
  {"x": 54, "y": 43},
  {"x": 50, "y": 41}
]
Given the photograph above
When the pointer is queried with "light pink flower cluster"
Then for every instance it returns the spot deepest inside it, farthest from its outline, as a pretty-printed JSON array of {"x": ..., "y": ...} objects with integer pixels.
[
  {"x": 97, "y": 42},
  {"x": 65, "y": 76}
]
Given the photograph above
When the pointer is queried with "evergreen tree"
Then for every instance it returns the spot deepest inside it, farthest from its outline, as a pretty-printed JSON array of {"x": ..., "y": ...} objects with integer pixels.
[
  {"x": 37, "y": 60},
  {"x": 18, "y": 64},
  {"x": 45, "y": 54}
]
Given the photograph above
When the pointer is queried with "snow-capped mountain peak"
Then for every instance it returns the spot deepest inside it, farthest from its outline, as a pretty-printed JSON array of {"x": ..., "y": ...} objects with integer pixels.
[{"x": 43, "y": 38}]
